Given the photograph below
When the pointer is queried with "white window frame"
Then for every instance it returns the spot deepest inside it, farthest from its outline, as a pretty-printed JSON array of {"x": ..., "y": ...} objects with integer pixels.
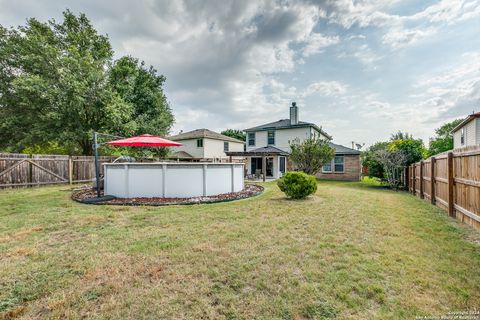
[
  {"x": 462, "y": 136},
  {"x": 272, "y": 132},
  {"x": 254, "y": 139},
  {"x": 226, "y": 146},
  {"x": 332, "y": 165},
  {"x": 343, "y": 164},
  {"x": 327, "y": 171},
  {"x": 200, "y": 141}
]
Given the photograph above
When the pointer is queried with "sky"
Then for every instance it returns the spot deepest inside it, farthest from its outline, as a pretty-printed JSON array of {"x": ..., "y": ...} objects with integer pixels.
[{"x": 359, "y": 69}]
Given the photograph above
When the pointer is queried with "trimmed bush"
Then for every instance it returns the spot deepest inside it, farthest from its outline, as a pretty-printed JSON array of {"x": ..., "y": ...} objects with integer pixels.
[{"x": 297, "y": 185}]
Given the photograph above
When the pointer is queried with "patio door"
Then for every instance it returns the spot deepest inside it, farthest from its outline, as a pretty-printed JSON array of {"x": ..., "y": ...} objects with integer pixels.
[
  {"x": 256, "y": 164},
  {"x": 269, "y": 170}
]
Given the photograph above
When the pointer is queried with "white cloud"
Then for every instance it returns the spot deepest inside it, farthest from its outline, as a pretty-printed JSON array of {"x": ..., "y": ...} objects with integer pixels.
[
  {"x": 326, "y": 88},
  {"x": 316, "y": 42},
  {"x": 454, "y": 90},
  {"x": 400, "y": 38},
  {"x": 402, "y": 31}
]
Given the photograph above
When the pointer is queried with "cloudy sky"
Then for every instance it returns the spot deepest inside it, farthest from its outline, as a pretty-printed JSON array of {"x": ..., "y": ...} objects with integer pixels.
[{"x": 360, "y": 69}]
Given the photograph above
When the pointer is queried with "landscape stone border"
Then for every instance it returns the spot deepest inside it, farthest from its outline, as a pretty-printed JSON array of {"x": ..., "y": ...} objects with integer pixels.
[{"x": 88, "y": 196}]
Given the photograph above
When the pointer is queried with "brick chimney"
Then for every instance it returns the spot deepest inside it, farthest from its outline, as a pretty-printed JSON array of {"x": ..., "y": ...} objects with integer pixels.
[{"x": 294, "y": 114}]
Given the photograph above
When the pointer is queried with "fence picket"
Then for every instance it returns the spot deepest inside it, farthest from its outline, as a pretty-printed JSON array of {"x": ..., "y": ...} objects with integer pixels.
[{"x": 454, "y": 180}]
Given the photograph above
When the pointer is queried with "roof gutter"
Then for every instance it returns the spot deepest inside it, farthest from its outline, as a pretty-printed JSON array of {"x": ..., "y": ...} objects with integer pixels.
[{"x": 465, "y": 121}]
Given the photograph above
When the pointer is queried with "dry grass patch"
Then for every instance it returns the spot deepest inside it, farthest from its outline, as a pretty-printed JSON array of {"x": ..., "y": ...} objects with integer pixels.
[{"x": 351, "y": 251}]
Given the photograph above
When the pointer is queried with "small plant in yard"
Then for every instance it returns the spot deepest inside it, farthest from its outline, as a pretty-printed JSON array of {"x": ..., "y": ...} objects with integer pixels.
[{"x": 297, "y": 185}]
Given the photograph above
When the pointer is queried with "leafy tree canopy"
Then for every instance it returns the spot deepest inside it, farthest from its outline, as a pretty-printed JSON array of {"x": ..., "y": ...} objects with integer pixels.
[
  {"x": 413, "y": 149},
  {"x": 443, "y": 140},
  {"x": 370, "y": 160},
  {"x": 233, "y": 133},
  {"x": 311, "y": 154},
  {"x": 400, "y": 135},
  {"x": 58, "y": 84}
]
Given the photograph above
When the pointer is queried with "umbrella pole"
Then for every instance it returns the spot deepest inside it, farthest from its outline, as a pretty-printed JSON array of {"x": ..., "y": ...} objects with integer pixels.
[{"x": 97, "y": 165}]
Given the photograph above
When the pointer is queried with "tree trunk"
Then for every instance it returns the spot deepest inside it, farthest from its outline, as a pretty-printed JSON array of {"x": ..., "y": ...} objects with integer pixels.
[{"x": 87, "y": 148}]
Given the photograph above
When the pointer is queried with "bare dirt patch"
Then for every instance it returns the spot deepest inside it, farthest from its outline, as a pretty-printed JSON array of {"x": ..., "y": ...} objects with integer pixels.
[{"x": 249, "y": 191}]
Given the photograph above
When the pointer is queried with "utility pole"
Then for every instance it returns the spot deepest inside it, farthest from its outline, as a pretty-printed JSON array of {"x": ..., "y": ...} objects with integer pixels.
[{"x": 97, "y": 164}]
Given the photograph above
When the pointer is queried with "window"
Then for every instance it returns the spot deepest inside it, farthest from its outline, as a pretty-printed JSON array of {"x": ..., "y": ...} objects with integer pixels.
[
  {"x": 251, "y": 138},
  {"x": 282, "y": 164},
  {"x": 225, "y": 146},
  {"x": 271, "y": 137},
  {"x": 339, "y": 163},
  {"x": 462, "y": 136},
  {"x": 199, "y": 143},
  {"x": 327, "y": 167}
]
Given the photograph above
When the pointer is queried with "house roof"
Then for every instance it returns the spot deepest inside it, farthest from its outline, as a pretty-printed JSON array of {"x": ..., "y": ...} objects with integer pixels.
[
  {"x": 181, "y": 155},
  {"x": 263, "y": 151},
  {"x": 466, "y": 120},
  {"x": 203, "y": 133},
  {"x": 285, "y": 124},
  {"x": 343, "y": 150}
]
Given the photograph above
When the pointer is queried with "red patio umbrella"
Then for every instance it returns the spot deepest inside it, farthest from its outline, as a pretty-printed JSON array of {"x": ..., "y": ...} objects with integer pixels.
[{"x": 145, "y": 140}]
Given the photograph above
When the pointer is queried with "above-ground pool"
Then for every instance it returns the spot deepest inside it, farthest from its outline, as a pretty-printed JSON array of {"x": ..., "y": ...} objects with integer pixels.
[{"x": 172, "y": 179}]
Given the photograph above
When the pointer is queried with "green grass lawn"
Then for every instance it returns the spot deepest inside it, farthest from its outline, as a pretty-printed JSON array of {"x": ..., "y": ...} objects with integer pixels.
[{"x": 351, "y": 251}]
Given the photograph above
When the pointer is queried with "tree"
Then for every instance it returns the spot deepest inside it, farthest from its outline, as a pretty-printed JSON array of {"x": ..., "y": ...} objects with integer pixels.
[
  {"x": 393, "y": 162},
  {"x": 56, "y": 88},
  {"x": 311, "y": 154},
  {"x": 400, "y": 135},
  {"x": 443, "y": 140},
  {"x": 236, "y": 134},
  {"x": 370, "y": 160},
  {"x": 141, "y": 87},
  {"x": 413, "y": 149}
]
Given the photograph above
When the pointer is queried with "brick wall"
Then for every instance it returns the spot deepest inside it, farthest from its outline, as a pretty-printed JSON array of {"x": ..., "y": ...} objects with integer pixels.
[{"x": 352, "y": 170}]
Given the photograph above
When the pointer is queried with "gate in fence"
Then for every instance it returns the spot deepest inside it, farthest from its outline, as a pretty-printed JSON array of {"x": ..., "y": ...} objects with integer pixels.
[{"x": 22, "y": 170}]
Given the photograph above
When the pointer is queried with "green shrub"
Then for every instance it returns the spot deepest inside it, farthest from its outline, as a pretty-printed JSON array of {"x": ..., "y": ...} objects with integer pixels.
[{"x": 297, "y": 185}]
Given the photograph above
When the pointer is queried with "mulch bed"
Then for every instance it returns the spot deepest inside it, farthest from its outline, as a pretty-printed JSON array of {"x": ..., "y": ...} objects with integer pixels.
[{"x": 87, "y": 195}]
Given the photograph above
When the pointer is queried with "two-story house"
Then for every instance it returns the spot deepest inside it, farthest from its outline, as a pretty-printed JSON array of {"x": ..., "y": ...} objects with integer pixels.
[
  {"x": 268, "y": 146},
  {"x": 205, "y": 145},
  {"x": 467, "y": 133}
]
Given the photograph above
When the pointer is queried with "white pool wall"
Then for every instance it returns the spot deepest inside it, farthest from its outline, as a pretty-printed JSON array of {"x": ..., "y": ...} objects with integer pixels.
[{"x": 172, "y": 180}]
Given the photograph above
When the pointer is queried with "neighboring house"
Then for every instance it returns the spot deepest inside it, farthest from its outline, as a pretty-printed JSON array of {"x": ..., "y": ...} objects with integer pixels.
[
  {"x": 467, "y": 133},
  {"x": 268, "y": 146},
  {"x": 204, "y": 145}
]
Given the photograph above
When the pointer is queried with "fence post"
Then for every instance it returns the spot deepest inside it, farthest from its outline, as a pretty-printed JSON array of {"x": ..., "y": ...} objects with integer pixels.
[
  {"x": 410, "y": 178},
  {"x": 414, "y": 178},
  {"x": 432, "y": 180},
  {"x": 422, "y": 182},
  {"x": 451, "y": 210},
  {"x": 70, "y": 170},
  {"x": 30, "y": 172},
  {"x": 407, "y": 178}
]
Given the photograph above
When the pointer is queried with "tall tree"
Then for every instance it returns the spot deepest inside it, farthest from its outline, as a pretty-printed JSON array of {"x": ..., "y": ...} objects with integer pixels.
[
  {"x": 55, "y": 86},
  {"x": 443, "y": 140},
  {"x": 400, "y": 135},
  {"x": 311, "y": 154},
  {"x": 142, "y": 88},
  {"x": 233, "y": 133}
]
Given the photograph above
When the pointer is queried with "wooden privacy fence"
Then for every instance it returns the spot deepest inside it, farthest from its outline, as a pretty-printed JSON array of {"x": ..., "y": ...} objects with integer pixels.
[
  {"x": 22, "y": 170},
  {"x": 450, "y": 181}
]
